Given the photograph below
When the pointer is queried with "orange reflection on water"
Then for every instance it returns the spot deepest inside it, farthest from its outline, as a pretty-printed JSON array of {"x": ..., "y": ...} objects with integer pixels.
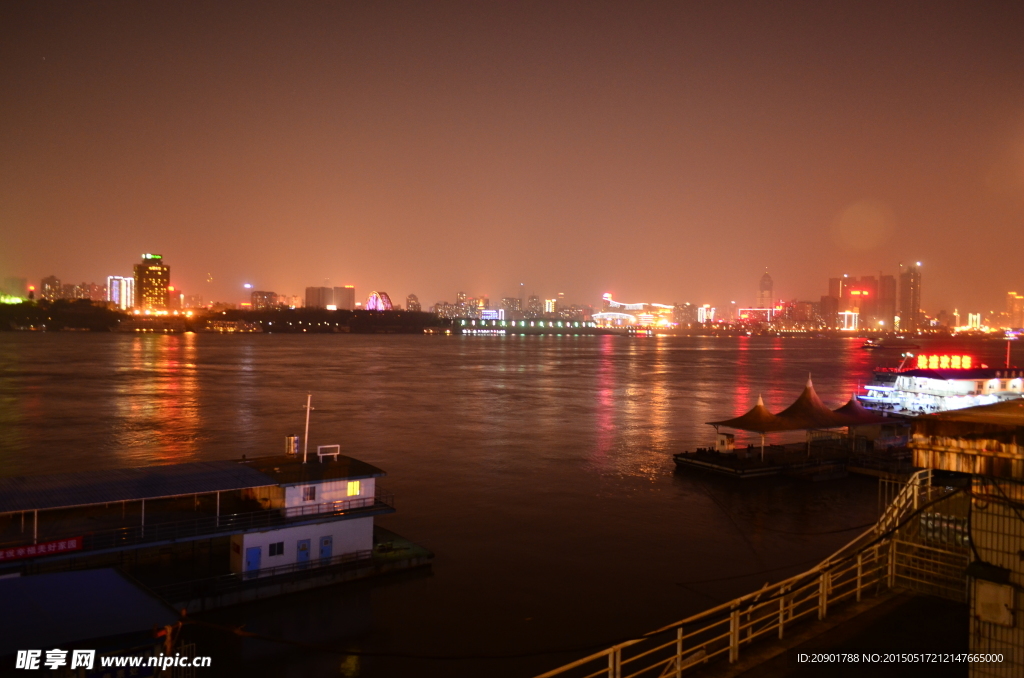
[{"x": 159, "y": 418}]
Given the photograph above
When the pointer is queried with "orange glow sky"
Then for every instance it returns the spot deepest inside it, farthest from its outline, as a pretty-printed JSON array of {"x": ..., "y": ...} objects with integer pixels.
[{"x": 660, "y": 151}]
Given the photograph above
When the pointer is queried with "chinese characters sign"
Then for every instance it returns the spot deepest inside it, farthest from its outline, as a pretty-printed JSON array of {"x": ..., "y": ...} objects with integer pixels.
[
  {"x": 944, "y": 362},
  {"x": 45, "y": 549}
]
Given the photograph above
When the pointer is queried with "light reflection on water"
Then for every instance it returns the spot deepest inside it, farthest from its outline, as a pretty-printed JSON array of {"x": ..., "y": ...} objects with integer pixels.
[{"x": 538, "y": 469}]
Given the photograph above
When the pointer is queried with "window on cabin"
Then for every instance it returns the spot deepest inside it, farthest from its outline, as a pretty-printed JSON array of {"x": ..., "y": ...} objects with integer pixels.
[
  {"x": 309, "y": 493},
  {"x": 353, "y": 488},
  {"x": 277, "y": 549}
]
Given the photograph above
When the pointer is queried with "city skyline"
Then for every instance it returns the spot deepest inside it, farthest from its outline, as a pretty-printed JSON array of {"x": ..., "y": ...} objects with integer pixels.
[
  {"x": 835, "y": 293},
  {"x": 655, "y": 152}
]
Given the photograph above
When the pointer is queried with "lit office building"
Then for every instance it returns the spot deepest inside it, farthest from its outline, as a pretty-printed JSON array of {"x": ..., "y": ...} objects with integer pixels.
[
  {"x": 511, "y": 304},
  {"x": 1015, "y": 309},
  {"x": 152, "y": 280},
  {"x": 910, "y": 298},
  {"x": 331, "y": 298},
  {"x": 50, "y": 288},
  {"x": 412, "y": 303},
  {"x": 262, "y": 301},
  {"x": 766, "y": 292},
  {"x": 121, "y": 292}
]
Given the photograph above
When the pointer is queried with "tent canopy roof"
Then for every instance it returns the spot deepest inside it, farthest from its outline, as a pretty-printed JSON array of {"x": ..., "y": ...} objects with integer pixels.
[{"x": 806, "y": 412}]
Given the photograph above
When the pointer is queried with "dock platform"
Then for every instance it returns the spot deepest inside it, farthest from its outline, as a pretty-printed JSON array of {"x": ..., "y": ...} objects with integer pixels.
[{"x": 794, "y": 460}]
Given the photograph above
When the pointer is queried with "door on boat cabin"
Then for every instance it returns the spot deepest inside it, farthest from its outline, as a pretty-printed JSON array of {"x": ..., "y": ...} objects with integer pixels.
[
  {"x": 252, "y": 561},
  {"x": 302, "y": 555},
  {"x": 326, "y": 545}
]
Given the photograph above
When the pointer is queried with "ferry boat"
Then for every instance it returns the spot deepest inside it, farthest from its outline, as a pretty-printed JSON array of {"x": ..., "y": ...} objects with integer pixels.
[
  {"x": 924, "y": 384},
  {"x": 888, "y": 343}
]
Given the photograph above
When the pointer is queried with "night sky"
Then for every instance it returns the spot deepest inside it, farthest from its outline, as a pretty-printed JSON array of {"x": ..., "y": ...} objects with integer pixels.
[{"x": 663, "y": 152}]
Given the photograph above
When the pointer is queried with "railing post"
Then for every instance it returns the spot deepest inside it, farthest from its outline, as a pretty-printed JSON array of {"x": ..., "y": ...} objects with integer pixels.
[
  {"x": 615, "y": 663},
  {"x": 734, "y": 636},
  {"x": 782, "y": 614},
  {"x": 823, "y": 581},
  {"x": 860, "y": 571},
  {"x": 679, "y": 652},
  {"x": 892, "y": 564}
]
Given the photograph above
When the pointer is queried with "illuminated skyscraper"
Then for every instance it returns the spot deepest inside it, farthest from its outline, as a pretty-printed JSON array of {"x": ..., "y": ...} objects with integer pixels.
[
  {"x": 765, "y": 292},
  {"x": 121, "y": 291},
  {"x": 262, "y": 300},
  {"x": 412, "y": 303},
  {"x": 887, "y": 301},
  {"x": 534, "y": 305},
  {"x": 511, "y": 304},
  {"x": 1015, "y": 309},
  {"x": 910, "y": 298},
  {"x": 152, "y": 280},
  {"x": 49, "y": 288}
]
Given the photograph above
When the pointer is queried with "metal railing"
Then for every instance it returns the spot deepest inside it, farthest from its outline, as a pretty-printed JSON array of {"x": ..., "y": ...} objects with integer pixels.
[
  {"x": 211, "y": 525},
  {"x": 876, "y": 561}
]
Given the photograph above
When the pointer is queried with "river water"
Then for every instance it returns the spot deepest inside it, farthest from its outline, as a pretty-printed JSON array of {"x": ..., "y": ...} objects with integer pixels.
[{"x": 538, "y": 469}]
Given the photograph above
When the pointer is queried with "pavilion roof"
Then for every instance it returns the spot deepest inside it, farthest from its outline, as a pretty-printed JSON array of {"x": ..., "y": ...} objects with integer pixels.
[
  {"x": 806, "y": 412},
  {"x": 758, "y": 419},
  {"x": 857, "y": 414}
]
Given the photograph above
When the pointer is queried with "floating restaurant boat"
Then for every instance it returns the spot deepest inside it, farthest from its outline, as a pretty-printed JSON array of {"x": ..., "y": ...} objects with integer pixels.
[
  {"x": 246, "y": 529},
  {"x": 925, "y": 384}
]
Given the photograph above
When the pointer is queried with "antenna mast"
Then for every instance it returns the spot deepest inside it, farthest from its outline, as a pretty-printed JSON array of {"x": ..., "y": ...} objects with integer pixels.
[{"x": 305, "y": 439}]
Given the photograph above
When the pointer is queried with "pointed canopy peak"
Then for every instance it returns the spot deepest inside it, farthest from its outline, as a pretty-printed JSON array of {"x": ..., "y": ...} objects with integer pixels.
[
  {"x": 857, "y": 414},
  {"x": 809, "y": 383},
  {"x": 758, "y": 419}
]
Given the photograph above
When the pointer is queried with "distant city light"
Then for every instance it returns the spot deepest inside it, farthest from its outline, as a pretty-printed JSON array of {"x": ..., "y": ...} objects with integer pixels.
[{"x": 247, "y": 286}]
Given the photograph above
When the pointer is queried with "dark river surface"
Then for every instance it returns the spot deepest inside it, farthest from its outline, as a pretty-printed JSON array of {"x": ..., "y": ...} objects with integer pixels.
[{"x": 537, "y": 469}]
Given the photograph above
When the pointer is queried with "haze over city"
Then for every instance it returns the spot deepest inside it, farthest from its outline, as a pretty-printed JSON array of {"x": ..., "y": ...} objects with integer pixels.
[{"x": 660, "y": 152}]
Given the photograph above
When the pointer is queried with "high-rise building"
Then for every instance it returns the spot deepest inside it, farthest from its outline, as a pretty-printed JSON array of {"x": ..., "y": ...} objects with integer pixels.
[
  {"x": 152, "y": 280},
  {"x": 345, "y": 298},
  {"x": 262, "y": 301},
  {"x": 320, "y": 297},
  {"x": 412, "y": 303},
  {"x": 121, "y": 292},
  {"x": 331, "y": 298},
  {"x": 551, "y": 305},
  {"x": 50, "y": 288},
  {"x": 1015, "y": 309},
  {"x": 534, "y": 305},
  {"x": 511, "y": 304},
  {"x": 765, "y": 292},
  {"x": 886, "y": 311},
  {"x": 836, "y": 285},
  {"x": 910, "y": 298}
]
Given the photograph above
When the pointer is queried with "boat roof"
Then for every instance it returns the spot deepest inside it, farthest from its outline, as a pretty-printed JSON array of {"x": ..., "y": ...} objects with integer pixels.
[
  {"x": 65, "y": 609},
  {"x": 86, "y": 488},
  {"x": 1005, "y": 413},
  {"x": 288, "y": 470}
]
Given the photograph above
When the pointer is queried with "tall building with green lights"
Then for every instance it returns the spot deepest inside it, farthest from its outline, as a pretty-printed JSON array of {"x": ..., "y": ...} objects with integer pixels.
[{"x": 152, "y": 278}]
